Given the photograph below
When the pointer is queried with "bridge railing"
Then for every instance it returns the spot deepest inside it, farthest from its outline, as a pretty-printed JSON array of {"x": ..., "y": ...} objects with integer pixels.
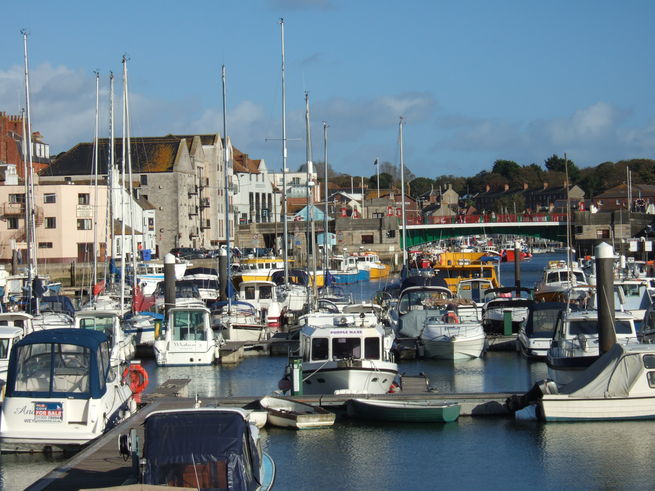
[{"x": 491, "y": 218}]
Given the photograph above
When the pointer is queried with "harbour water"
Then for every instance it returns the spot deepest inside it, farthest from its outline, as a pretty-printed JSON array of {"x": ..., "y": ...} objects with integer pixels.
[{"x": 470, "y": 453}]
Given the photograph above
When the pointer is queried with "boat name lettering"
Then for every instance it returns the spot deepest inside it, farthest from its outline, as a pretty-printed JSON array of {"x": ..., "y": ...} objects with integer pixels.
[
  {"x": 346, "y": 331},
  {"x": 24, "y": 410}
]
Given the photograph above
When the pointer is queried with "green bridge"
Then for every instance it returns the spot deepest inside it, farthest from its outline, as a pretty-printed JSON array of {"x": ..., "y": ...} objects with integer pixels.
[{"x": 422, "y": 234}]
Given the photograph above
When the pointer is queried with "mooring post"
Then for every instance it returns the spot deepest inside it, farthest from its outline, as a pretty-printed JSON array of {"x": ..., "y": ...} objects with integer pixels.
[
  {"x": 517, "y": 267},
  {"x": 169, "y": 281},
  {"x": 605, "y": 296}
]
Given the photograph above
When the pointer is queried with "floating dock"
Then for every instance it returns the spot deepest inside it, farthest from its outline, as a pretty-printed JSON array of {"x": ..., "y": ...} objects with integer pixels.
[{"x": 99, "y": 464}]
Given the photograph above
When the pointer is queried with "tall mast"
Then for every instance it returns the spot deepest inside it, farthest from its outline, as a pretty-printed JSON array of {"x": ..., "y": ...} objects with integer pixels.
[
  {"x": 228, "y": 246},
  {"x": 284, "y": 166},
  {"x": 129, "y": 186},
  {"x": 95, "y": 184},
  {"x": 123, "y": 157},
  {"x": 568, "y": 220},
  {"x": 325, "y": 217},
  {"x": 310, "y": 206},
  {"x": 402, "y": 190},
  {"x": 29, "y": 212},
  {"x": 111, "y": 175}
]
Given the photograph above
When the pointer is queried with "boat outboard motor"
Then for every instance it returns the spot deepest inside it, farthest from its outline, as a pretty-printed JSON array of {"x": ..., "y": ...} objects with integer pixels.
[{"x": 516, "y": 403}]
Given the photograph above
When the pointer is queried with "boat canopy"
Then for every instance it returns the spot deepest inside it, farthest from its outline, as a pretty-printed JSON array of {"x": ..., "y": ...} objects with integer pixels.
[
  {"x": 613, "y": 374},
  {"x": 208, "y": 448},
  {"x": 542, "y": 318},
  {"x": 54, "y": 303},
  {"x": 60, "y": 363},
  {"x": 296, "y": 276}
]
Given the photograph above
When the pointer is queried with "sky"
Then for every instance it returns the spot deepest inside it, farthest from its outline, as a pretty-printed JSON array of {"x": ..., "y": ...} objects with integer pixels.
[{"x": 475, "y": 81}]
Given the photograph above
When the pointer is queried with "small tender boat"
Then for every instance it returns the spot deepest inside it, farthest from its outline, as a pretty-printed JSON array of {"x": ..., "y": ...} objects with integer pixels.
[
  {"x": 201, "y": 448},
  {"x": 403, "y": 411},
  {"x": 286, "y": 413}
]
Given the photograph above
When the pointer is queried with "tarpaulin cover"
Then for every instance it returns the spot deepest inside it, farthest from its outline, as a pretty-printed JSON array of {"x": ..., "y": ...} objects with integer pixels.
[{"x": 204, "y": 449}]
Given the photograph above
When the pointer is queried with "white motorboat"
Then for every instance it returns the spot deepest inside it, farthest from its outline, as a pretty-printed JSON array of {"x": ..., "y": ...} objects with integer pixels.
[
  {"x": 575, "y": 342},
  {"x": 54, "y": 312},
  {"x": 500, "y": 302},
  {"x": 557, "y": 280},
  {"x": 263, "y": 295},
  {"x": 446, "y": 336},
  {"x": 122, "y": 344},
  {"x": 150, "y": 273},
  {"x": 346, "y": 356},
  {"x": 286, "y": 413},
  {"x": 415, "y": 305},
  {"x": 187, "y": 338},
  {"x": 61, "y": 391},
  {"x": 8, "y": 337},
  {"x": 536, "y": 334},
  {"x": 619, "y": 385},
  {"x": 144, "y": 326},
  {"x": 239, "y": 321}
]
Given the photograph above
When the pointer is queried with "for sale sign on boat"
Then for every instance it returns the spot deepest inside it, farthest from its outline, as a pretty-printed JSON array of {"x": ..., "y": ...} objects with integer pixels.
[{"x": 48, "y": 412}]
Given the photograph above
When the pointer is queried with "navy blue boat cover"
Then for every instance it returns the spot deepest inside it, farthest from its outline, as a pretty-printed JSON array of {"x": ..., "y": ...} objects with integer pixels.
[{"x": 202, "y": 449}]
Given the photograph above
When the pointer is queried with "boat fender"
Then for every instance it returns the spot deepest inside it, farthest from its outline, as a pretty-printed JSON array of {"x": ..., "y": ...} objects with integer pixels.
[
  {"x": 394, "y": 388},
  {"x": 451, "y": 318},
  {"x": 137, "y": 378}
]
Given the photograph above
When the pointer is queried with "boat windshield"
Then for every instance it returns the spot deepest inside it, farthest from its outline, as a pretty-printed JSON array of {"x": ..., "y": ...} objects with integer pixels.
[
  {"x": 563, "y": 276},
  {"x": 423, "y": 299},
  {"x": 352, "y": 348},
  {"x": 53, "y": 368},
  {"x": 189, "y": 326},
  {"x": 102, "y": 324},
  {"x": 590, "y": 327},
  {"x": 543, "y": 323},
  {"x": 4, "y": 348}
]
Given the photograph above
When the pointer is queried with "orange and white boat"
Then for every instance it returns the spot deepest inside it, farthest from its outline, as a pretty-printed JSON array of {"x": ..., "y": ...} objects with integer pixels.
[{"x": 369, "y": 261}]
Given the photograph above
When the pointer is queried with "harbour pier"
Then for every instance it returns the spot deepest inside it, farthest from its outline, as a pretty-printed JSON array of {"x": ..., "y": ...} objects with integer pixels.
[{"x": 99, "y": 463}]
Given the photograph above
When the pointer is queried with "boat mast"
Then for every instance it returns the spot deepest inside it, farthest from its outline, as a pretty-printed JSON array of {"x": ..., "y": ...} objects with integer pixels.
[
  {"x": 131, "y": 203},
  {"x": 95, "y": 187},
  {"x": 228, "y": 246},
  {"x": 325, "y": 217},
  {"x": 111, "y": 175},
  {"x": 284, "y": 166},
  {"x": 28, "y": 168},
  {"x": 123, "y": 157},
  {"x": 402, "y": 190},
  {"x": 310, "y": 205},
  {"x": 568, "y": 221}
]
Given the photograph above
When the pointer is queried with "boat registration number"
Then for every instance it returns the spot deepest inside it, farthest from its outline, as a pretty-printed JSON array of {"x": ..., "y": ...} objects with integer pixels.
[{"x": 48, "y": 412}]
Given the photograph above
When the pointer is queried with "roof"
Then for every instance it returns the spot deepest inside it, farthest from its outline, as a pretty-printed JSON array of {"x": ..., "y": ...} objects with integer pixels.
[
  {"x": 78, "y": 337},
  {"x": 621, "y": 191},
  {"x": 242, "y": 163},
  {"x": 149, "y": 154}
]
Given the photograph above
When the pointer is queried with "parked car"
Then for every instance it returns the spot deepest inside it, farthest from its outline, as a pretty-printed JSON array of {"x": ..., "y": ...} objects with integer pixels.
[{"x": 188, "y": 253}]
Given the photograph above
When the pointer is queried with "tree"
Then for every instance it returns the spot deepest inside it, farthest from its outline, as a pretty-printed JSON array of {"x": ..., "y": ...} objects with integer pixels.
[
  {"x": 319, "y": 168},
  {"x": 420, "y": 185},
  {"x": 386, "y": 181},
  {"x": 510, "y": 203},
  {"x": 558, "y": 164},
  {"x": 506, "y": 168}
]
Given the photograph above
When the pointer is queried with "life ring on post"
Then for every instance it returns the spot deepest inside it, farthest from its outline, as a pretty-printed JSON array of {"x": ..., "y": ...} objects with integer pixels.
[{"x": 137, "y": 378}]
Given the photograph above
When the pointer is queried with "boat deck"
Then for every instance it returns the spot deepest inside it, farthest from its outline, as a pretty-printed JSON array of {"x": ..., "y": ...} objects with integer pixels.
[{"x": 100, "y": 465}]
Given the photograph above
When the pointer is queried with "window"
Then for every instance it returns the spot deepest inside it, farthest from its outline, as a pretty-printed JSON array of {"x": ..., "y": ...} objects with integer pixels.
[
  {"x": 372, "y": 348},
  {"x": 17, "y": 198},
  {"x": 84, "y": 223},
  {"x": 367, "y": 239},
  {"x": 144, "y": 179},
  {"x": 346, "y": 348},
  {"x": 51, "y": 222},
  {"x": 83, "y": 199},
  {"x": 12, "y": 223},
  {"x": 145, "y": 197},
  {"x": 45, "y": 245},
  {"x": 649, "y": 361},
  {"x": 50, "y": 198},
  {"x": 651, "y": 379},
  {"x": 320, "y": 349}
]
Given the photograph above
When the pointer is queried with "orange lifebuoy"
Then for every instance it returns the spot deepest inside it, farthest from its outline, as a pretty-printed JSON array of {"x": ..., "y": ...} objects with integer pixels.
[
  {"x": 137, "y": 378},
  {"x": 451, "y": 318}
]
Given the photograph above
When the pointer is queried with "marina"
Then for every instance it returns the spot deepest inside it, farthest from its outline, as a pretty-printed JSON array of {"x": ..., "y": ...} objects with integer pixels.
[{"x": 479, "y": 386}]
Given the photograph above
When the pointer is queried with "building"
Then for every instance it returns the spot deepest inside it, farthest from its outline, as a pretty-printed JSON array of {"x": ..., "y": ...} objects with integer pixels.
[
  {"x": 11, "y": 145},
  {"x": 255, "y": 197},
  {"x": 296, "y": 189},
  {"x": 640, "y": 196},
  {"x": 70, "y": 217},
  {"x": 182, "y": 176}
]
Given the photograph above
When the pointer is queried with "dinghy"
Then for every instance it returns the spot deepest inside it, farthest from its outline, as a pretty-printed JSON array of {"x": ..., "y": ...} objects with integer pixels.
[
  {"x": 403, "y": 411},
  {"x": 286, "y": 413}
]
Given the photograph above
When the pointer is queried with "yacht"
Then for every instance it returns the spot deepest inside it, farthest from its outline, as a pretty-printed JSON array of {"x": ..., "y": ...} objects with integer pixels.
[
  {"x": 61, "y": 391},
  {"x": 536, "y": 334},
  {"x": 502, "y": 301},
  {"x": 187, "y": 339},
  {"x": 340, "y": 352},
  {"x": 448, "y": 336},
  {"x": 558, "y": 278},
  {"x": 415, "y": 305},
  {"x": 575, "y": 342}
]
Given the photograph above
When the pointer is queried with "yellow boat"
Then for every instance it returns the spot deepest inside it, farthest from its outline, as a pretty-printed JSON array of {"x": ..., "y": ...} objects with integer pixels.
[
  {"x": 369, "y": 261},
  {"x": 454, "y": 267},
  {"x": 261, "y": 268}
]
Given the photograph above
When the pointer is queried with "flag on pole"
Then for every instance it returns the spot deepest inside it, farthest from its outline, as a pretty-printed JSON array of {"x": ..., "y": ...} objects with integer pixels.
[{"x": 376, "y": 162}]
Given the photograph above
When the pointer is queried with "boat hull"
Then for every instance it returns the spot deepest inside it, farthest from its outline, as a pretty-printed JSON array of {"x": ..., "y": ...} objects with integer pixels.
[
  {"x": 403, "y": 411},
  {"x": 566, "y": 408},
  {"x": 179, "y": 353},
  {"x": 452, "y": 348},
  {"x": 351, "y": 380}
]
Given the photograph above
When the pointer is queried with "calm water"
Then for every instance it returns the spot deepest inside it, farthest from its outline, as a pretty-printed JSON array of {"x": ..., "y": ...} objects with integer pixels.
[{"x": 470, "y": 453}]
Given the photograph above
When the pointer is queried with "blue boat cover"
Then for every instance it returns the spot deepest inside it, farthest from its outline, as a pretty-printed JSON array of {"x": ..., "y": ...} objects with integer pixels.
[
  {"x": 202, "y": 449},
  {"x": 296, "y": 276},
  {"x": 86, "y": 338},
  {"x": 54, "y": 303}
]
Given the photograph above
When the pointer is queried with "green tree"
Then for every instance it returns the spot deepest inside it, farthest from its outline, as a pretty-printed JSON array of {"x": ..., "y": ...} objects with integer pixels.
[
  {"x": 510, "y": 203},
  {"x": 506, "y": 168},
  {"x": 558, "y": 164},
  {"x": 420, "y": 185},
  {"x": 386, "y": 181}
]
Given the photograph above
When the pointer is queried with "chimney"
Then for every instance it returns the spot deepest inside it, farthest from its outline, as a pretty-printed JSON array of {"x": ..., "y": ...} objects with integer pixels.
[
  {"x": 506, "y": 187},
  {"x": 545, "y": 185}
]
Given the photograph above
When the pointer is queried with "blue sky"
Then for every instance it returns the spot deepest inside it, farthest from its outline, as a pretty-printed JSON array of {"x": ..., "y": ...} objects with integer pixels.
[{"x": 476, "y": 80}]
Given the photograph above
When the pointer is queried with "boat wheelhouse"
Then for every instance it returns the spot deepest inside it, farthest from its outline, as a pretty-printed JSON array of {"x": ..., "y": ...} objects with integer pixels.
[
  {"x": 347, "y": 356},
  {"x": 187, "y": 338},
  {"x": 122, "y": 344},
  {"x": 557, "y": 281},
  {"x": 536, "y": 334},
  {"x": 61, "y": 391},
  {"x": 454, "y": 267}
]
